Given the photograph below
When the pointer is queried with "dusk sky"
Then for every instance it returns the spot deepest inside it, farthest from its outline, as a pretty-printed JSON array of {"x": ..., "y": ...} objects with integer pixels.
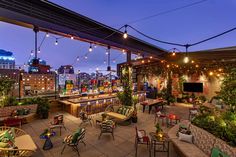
[{"x": 183, "y": 26}]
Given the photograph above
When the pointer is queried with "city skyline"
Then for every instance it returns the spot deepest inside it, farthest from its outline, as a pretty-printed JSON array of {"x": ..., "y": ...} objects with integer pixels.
[{"x": 203, "y": 20}]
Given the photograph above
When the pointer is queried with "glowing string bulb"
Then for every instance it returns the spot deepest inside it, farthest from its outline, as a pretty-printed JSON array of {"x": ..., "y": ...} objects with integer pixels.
[
  {"x": 125, "y": 35},
  {"x": 47, "y": 35},
  {"x": 186, "y": 59},
  {"x": 77, "y": 58},
  {"x": 85, "y": 57},
  {"x": 56, "y": 42},
  {"x": 114, "y": 61},
  {"x": 39, "y": 50},
  {"x": 32, "y": 53},
  {"x": 72, "y": 38},
  {"x": 150, "y": 57},
  {"x": 90, "y": 48},
  {"x": 211, "y": 73}
]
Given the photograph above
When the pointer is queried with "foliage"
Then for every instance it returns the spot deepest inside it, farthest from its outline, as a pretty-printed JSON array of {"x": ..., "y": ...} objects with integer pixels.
[
  {"x": 202, "y": 98},
  {"x": 222, "y": 125},
  {"x": 228, "y": 88},
  {"x": 158, "y": 127},
  {"x": 43, "y": 107},
  {"x": 6, "y": 86},
  {"x": 126, "y": 97},
  {"x": 9, "y": 101}
]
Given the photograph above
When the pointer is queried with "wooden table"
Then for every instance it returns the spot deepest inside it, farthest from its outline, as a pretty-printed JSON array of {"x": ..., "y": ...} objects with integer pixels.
[{"x": 152, "y": 102}]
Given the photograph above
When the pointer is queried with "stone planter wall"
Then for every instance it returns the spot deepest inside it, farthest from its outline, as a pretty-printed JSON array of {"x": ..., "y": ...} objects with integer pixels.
[
  {"x": 206, "y": 141},
  {"x": 6, "y": 111}
]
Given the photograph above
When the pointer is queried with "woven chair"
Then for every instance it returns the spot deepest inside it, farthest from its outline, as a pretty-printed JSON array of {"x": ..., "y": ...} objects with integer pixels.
[
  {"x": 140, "y": 138},
  {"x": 24, "y": 143},
  {"x": 107, "y": 127},
  {"x": 71, "y": 142},
  {"x": 57, "y": 123}
]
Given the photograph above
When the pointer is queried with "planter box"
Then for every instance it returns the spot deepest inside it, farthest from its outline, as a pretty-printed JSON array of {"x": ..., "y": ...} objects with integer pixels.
[{"x": 6, "y": 111}]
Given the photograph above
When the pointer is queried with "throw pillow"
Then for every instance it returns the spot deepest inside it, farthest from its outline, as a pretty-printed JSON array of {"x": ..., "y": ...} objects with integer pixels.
[
  {"x": 4, "y": 145},
  {"x": 119, "y": 110},
  {"x": 215, "y": 152},
  {"x": 140, "y": 136},
  {"x": 185, "y": 137},
  {"x": 6, "y": 137},
  {"x": 127, "y": 112},
  {"x": 20, "y": 112},
  {"x": 76, "y": 135},
  {"x": 124, "y": 110}
]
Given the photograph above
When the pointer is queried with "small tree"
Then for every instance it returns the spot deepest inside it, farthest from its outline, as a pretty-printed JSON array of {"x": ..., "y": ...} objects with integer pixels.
[
  {"x": 6, "y": 86},
  {"x": 126, "y": 97},
  {"x": 228, "y": 89}
]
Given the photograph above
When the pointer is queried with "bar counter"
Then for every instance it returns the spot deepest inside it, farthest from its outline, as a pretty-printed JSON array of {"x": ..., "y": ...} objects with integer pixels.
[{"x": 92, "y": 103}]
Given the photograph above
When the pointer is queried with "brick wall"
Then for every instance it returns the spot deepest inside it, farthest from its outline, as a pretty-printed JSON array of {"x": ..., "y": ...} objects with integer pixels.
[{"x": 6, "y": 111}]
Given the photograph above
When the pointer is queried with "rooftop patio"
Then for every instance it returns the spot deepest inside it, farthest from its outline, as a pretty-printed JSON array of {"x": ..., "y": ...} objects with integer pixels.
[{"x": 123, "y": 145}]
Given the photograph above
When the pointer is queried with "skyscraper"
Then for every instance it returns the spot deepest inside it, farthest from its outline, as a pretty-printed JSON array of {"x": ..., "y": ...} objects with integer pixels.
[{"x": 7, "y": 61}]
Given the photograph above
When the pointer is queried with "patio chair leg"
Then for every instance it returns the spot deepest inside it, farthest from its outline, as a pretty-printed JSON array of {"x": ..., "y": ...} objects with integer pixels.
[
  {"x": 113, "y": 136},
  {"x": 84, "y": 143},
  {"x": 99, "y": 136},
  {"x": 63, "y": 149}
]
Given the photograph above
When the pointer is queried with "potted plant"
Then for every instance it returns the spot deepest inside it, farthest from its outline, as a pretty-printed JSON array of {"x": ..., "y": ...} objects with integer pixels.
[
  {"x": 135, "y": 113},
  {"x": 43, "y": 108}
]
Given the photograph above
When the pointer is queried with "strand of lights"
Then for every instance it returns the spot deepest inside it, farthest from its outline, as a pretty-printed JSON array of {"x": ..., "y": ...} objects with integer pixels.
[
  {"x": 47, "y": 35},
  {"x": 72, "y": 38},
  {"x": 39, "y": 50}
]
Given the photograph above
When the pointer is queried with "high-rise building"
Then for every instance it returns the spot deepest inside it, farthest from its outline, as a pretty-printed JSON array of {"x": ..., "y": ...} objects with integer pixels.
[
  {"x": 7, "y": 61},
  {"x": 66, "y": 69},
  {"x": 38, "y": 66},
  {"x": 36, "y": 84}
]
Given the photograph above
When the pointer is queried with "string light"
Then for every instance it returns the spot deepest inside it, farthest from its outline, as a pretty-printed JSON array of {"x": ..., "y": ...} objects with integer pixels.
[
  {"x": 85, "y": 57},
  {"x": 150, "y": 57},
  {"x": 174, "y": 52},
  {"x": 77, "y": 58},
  {"x": 220, "y": 69},
  {"x": 72, "y": 38},
  {"x": 56, "y": 42},
  {"x": 39, "y": 50},
  {"x": 143, "y": 61},
  {"x": 47, "y": 35},
  {"x": 31, "y": 53},
  {"x": 90, "y": 48},
  {"x": 186, "y": 59},
  {"x": 95, "y": 46},
  {"x": 211, "y": 73},
  {"x": 168, "y": 66},
  {"x": 192, "y": 61},
  {"x": 196, "y": 65},
  {"x": 125, "y": 35}
]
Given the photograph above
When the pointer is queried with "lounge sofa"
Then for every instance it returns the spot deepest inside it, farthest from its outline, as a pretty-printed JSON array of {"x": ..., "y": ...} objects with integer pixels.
[
  {"x": 203, "y": 143},
  {"x": 25, "y": 145},
  {"x": 119, "y": 113}
]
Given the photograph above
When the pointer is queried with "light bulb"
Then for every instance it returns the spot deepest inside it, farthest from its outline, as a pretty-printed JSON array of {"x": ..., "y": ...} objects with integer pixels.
[
  {"x": 72, "y": 38},
  {"x": 56, "y": 42},
  {"x": 150, "y": 57},
  {"x": 125, "y": 35},
  {"x": 90, "y": 48},
  {"x": 210, "y": 73},
  {"x": 85, "y": 57},
  {"x": 77, "y": 59},
  {"x": 39, "y": 50},
  {"x": 106, "y": 53},
  {"x": 32, "y": 53},
  {"x": 173, "y": 53},
  {"x": 47, "y": 35},
  {"x": 186, "y": 59},
  {"x": 114, "y": 61}
]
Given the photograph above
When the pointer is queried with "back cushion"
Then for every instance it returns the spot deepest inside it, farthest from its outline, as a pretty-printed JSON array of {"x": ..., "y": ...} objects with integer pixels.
[{"x": 202, "y": 139}]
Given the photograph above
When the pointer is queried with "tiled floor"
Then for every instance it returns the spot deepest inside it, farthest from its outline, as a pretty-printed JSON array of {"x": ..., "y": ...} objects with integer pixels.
[{"x": 122, "y": 146}]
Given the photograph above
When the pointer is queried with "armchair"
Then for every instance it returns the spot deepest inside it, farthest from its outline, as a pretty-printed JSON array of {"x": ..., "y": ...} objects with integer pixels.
[{"x": 58, "y": 122}]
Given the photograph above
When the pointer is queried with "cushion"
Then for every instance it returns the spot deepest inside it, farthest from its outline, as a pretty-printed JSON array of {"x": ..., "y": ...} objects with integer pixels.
[
  {"x": 119, "y": 110},
  {"x": 217, "y": 153},
  {"x": 76, "y": 135},
  {"x": 116, "y": 115},
  {"x": 193, "y": 111},
  {"x": 185, "y": 137},
  {"x": 20, "y": 112},
  {"x": 4, "y": 145},
  {"x": 140, "y": 136},
  {"x": 25, "y": 142},
  {"x": 26, "y": 111},
  {"x": 6, "y": 137}
]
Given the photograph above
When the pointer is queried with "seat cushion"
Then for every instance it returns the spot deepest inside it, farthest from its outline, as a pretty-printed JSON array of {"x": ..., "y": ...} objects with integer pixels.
[
  {"x": 25, "y": 142},
  {"x": 116, "y": 115}
]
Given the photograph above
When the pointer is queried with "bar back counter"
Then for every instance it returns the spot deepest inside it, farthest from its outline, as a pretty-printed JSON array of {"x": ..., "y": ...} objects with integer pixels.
[{"x": 92, "y": 104}]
